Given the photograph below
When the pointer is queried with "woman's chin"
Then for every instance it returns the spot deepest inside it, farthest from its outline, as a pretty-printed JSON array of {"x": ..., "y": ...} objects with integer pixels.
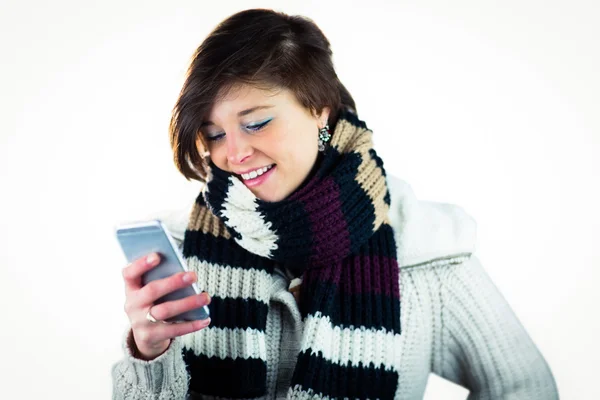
[
  {"x": 269, "y": 193},
  {"x": 268, "y": 197}
]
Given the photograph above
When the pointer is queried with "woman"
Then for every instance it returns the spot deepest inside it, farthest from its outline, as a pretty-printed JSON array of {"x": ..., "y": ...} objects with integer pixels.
[{"x": 295, "y": 193}]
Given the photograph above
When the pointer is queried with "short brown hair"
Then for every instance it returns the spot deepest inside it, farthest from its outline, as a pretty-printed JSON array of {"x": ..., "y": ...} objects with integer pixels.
[{"x": 258, "y": 47}]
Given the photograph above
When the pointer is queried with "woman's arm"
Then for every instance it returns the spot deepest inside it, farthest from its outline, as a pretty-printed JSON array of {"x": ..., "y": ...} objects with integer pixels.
[
  {"x": 484, "y": 346},
  {"x": 163, "y": 378}
]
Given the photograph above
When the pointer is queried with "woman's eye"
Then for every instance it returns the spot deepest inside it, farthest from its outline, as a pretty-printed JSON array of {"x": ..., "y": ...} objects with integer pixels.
[
  {"x": 252, "y": 128},
  {"x": 259, "y": 126},
  {"x": 216, "y": 137}
]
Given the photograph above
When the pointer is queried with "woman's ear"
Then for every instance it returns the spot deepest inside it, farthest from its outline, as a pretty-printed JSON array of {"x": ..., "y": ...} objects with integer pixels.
[{"x": 323, "y": 116}]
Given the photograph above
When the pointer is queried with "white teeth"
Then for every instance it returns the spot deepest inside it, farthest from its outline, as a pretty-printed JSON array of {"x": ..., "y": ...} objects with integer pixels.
[{"x": 256, "y": 173}]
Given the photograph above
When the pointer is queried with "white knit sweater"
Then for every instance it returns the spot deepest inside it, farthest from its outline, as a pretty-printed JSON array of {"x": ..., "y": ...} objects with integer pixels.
[{"x": 454, "y": 321}]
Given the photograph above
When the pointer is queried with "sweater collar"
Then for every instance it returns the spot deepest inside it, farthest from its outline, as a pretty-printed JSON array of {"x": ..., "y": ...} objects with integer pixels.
[{"x": 426, "y": 230}]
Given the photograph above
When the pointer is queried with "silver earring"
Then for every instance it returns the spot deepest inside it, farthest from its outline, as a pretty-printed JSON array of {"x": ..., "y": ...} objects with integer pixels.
[{"x": 324, "y": 137}]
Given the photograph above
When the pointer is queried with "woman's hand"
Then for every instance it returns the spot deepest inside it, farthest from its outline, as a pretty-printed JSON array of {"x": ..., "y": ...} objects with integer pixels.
[{"x": 153, "y": 338}]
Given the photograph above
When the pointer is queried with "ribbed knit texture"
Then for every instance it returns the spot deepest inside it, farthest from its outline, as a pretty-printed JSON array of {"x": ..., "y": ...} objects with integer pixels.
[
  {"x": 334, "y": 232},
  {"x": 489, "y": 353},
  {"x": 164, "y": 378}
]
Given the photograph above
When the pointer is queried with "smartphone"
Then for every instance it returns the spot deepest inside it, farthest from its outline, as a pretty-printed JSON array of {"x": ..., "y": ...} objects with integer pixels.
[{"x": 142, "y": 238}]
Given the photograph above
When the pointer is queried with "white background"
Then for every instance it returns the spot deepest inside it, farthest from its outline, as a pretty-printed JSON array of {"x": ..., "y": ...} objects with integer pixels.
[{"x": 490, "y": 105}]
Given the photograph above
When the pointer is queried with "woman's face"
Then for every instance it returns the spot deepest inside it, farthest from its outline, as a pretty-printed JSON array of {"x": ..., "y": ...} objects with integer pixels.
[{"x": 252, "y": 129}]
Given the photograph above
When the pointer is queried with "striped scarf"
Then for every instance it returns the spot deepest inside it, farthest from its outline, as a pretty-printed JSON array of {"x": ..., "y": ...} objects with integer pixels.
[{"x": 333, "y": 231}]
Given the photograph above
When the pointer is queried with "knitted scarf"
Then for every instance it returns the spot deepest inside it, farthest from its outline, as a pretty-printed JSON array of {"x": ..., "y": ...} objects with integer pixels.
[{"x": 333, "y": 231}]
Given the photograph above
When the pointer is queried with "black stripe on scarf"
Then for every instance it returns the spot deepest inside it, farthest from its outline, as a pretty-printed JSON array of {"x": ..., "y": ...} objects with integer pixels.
[
  {"x": 343, "y": 381},
  {"x": 213, "y": 376}
]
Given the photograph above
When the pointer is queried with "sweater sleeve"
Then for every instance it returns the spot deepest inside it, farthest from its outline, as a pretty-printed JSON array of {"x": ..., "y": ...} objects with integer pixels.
[
  {"x": 163, "y": 378},
  {"x": 484, "y": 346}
]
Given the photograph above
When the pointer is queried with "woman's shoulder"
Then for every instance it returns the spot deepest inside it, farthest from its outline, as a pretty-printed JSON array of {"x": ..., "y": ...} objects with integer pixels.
[{"x": 427, "y": 230}]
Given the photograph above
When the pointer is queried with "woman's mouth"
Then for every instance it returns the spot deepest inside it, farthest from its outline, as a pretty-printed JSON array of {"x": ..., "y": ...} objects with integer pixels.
[{"x": 258, "y": 177}]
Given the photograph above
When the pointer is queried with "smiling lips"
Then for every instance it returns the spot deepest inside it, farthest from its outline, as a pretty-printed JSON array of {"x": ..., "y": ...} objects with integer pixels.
[
  {"x": 257, "y": 176},
  {"x": 256, "y": 172}
]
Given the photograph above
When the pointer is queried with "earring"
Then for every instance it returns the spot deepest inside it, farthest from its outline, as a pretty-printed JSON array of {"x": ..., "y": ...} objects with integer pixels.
[{"x": 324, "y": 137}]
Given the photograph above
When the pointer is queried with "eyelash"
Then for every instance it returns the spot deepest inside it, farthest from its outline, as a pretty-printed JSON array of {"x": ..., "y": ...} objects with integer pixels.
[{"x": 253, "y": 128}]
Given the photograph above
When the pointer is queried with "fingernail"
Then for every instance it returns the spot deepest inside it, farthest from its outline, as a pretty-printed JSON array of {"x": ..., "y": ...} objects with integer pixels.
[
  {"x": 151, "y": 259},
  {"x": 188, "y": 277}
]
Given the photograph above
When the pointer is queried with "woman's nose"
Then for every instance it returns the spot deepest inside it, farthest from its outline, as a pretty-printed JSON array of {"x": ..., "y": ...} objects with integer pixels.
[{"x": 238, "y": 147}]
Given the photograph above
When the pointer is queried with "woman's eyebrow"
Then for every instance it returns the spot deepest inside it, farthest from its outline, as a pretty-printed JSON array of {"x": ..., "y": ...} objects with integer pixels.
[{"x": 241, "y": 113}]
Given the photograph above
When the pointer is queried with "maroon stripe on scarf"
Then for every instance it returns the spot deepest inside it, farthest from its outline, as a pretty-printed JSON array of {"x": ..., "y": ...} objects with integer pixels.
[
  {"x": 326, "y": 216},
  {"x": 363, "y": 275},
  {"x": 370, "y": 274}
]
